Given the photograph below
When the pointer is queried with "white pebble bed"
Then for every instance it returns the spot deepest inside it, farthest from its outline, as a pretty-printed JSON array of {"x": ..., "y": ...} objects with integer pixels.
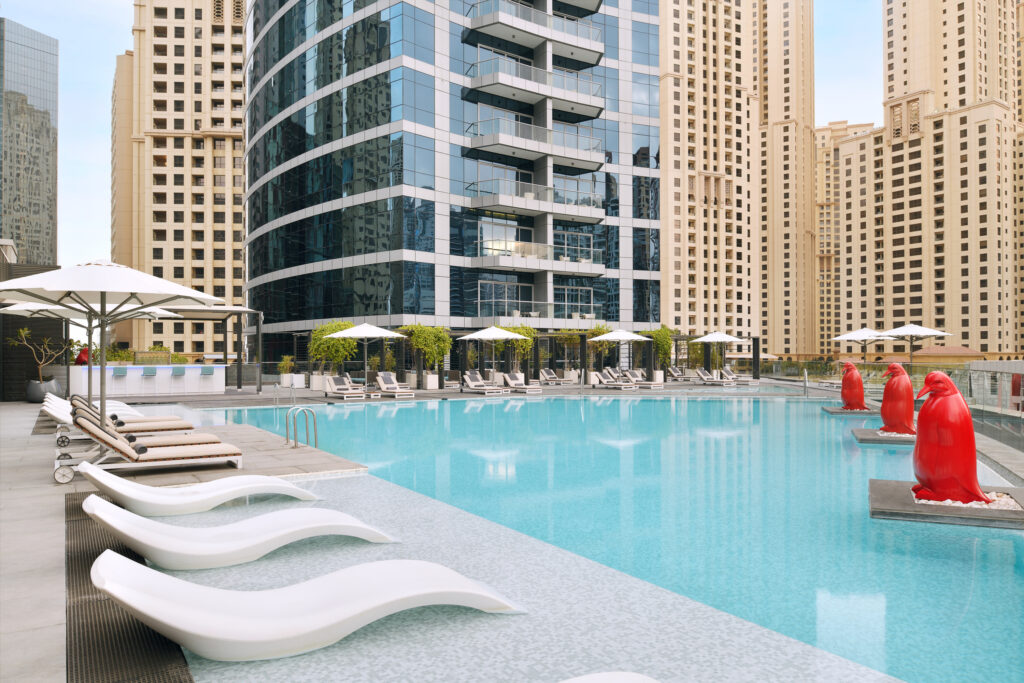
[
  {"x": 1000, "y": 501},
  {"x": 897, "y": 434}
]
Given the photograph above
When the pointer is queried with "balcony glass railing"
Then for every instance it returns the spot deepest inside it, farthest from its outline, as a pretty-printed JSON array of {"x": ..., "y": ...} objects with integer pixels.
[
  {"x": 501, "y": 186},
  {"x": 579, "y": 198},
  {"x": 539, "y": 251},
  {"x": 557, "y": 79},
  {"x": 583, "y": 143},
  {"x": 496, "y": 186},
  {"x": 538, "y": 309},
  {"x": 576, "y": 29}
]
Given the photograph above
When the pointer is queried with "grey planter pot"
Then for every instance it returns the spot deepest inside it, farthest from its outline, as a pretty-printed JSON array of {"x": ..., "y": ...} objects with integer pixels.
[{"x": 35, "y": 391}]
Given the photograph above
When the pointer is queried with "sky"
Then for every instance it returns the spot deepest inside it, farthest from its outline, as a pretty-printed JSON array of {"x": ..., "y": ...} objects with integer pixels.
[{"x": 848, "y": 85}]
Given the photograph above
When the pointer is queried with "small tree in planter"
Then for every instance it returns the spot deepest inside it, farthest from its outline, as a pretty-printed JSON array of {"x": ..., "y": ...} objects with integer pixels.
[
  {"x": 662, "y": 341},
  {"x": 323, "y": 349},
  {"x": 433, "y": 344},
  {"x": 284, "y": 368},
  {"x": 44, "y": 353},
  {"x": 521, "y": 348}
]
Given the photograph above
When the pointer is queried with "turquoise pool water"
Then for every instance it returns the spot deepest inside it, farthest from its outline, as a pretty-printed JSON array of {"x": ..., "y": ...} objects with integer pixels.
[{"x": 756, "y": 506}]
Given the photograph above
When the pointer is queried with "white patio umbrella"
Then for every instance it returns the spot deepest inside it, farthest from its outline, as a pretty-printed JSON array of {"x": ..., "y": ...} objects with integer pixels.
[
  {"x": 619, "y": 336},
  {"x": 718, "y": 338},
  {"x": 912, "y": 333},
  {"x": 492, "y": 334},
  {"x": 863, "y": 336},
  {"x": 79, "y": 317},
  {"x": 365, "y": 332},
  {"x": 109, "y": 292}
]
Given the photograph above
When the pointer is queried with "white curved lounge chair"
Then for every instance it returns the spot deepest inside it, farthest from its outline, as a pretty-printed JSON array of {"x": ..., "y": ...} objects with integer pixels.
[
  {"x": 177, "y": 547},
  {"x": 156, "y": 501},
  {"x": 235, "y": 626}
]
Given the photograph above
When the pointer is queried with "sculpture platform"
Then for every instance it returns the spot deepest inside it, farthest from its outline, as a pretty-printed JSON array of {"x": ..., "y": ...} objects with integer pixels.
[
  {"x": 872, "y": 436},
  {"x": 894, "y": 500},
  {"x": 839, "y": 412}
]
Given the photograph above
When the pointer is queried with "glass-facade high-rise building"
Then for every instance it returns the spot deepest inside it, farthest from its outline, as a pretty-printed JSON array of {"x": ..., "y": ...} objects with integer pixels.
[
  {"x": 453, "y": 164},
  {"x": 28, "y": 142}
]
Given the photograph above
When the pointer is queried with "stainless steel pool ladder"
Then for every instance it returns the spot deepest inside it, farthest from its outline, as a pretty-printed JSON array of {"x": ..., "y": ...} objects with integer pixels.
[{"x": 291, "y": 426}]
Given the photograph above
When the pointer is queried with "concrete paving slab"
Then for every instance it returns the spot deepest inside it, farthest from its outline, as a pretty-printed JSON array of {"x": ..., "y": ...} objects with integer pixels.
[
  {"x": 838, "y": 411},
  {"x": 864, "y": 435},
  {"x": 895, "y": 500}
]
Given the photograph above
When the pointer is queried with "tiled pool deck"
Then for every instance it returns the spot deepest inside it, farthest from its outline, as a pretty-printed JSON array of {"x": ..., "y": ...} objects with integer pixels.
[{"x": 583, "y": 617}]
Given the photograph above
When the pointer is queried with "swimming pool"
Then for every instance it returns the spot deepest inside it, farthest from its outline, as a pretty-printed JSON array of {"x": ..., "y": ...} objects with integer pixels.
[{"x": 756, "y": 506}]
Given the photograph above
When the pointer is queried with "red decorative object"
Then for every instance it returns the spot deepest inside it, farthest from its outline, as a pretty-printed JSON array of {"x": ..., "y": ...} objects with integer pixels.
[
  {"x": 853, "y": 388},
  {"x": 945, "y": 458},
  {"x": 898, "y": 401},
  {"x": 83, "y": 356}
]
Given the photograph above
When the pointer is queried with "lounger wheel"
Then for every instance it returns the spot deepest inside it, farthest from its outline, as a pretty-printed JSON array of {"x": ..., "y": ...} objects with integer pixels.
[
  {"x": 64, "y": 474},
  {"x": 63, "y": 441}
]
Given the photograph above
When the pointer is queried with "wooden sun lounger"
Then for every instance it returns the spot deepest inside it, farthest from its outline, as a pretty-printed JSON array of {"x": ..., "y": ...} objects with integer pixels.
[
  {"x": 120, "y": 453},
  {"x": 342, "y": 387},
  {"x": 388, "y": 385},
  {"x": 516, "y": 382},
  {"x": 639, "y": 380}
]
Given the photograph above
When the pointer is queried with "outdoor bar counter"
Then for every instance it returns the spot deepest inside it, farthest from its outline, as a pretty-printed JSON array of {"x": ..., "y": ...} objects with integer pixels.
[{"x": 147, "y": 380}]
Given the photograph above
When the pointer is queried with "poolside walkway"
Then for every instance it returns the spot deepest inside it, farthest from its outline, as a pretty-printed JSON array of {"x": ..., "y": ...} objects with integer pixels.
[
  {"x": 706, "y": 642},
  {"x": 32, "y": 593}
]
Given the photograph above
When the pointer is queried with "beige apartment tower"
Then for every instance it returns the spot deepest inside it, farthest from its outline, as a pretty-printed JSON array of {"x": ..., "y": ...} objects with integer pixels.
[
  {"x": 177, "y": 179},
  {"x": 709, "y": 200},
  {"x": 928, "y": 198},
  {"x": 737, "y": 120},
  {"x": 784, "y": 79},
  {"x": 828, "y": 235}
]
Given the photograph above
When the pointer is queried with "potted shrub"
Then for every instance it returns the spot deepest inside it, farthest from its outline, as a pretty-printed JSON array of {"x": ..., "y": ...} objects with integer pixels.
[
  {"x": 433, "y": 344},
  {"x": 323, "y": 350},
  {"x": 284, "y": 368},
  {"x": 44, "y": 353}
]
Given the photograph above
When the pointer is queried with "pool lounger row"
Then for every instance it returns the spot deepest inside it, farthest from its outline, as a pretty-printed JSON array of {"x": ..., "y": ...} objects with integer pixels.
[{"x": 229, "y": 625}]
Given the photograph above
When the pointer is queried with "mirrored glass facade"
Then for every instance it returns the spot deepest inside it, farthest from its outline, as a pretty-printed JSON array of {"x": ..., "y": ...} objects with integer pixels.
[
  {"x": 430, "y": 163},
  {"x": 28, "y": 142}
]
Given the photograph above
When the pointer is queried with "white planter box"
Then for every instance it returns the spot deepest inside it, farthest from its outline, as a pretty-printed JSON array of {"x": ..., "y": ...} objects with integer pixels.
[
  {"x": 659, "y": 375},
  {"x": 428, "y": 382},
  {"x": 298, "y": 381},
  {"x": 317, "y": 382},
  {"x": 286, "y": 380}
]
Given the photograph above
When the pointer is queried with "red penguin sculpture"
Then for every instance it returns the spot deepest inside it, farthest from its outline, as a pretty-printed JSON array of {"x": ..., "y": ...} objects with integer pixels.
[
  {"x": 945, "y": 459},
  {"x": 898, "y": 401},
  {"x": 853, "y": 388}
]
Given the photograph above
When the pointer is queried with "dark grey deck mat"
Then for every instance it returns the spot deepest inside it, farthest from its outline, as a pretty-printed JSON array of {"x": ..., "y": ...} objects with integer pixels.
[{"x": 105, "y": 643}]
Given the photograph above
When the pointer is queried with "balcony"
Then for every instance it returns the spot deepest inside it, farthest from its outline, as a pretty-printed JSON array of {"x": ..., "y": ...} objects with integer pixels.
[
  {"x": 535, "y": 257},
  {"x": 591, "y": 6},
  {"x": 537, "y": 313},
  {"x": 507, "y": 78},
  {"x": 525, "y": 141},
  {"x": 524, "y": 25},
  {"x": 527, "y": 199}
]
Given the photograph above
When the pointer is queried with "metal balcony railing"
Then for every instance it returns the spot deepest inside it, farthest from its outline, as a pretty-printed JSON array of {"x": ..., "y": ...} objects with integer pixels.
[
  {"x": 538, "y": 309},
  {"x": 577, "y": 29},
  {"x": 501, "y": 186},
  {"x": 557, "y": 79},
  {"x": 540, "y": 251},
  {"x": 496, "y": 186},
  {"x": 583, "y": 143}
]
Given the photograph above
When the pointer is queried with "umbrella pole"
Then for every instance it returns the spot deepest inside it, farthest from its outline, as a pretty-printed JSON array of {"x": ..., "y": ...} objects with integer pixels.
[
  {"x": 88, "y": 342},
  {"x": 103, "y": 356}
]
